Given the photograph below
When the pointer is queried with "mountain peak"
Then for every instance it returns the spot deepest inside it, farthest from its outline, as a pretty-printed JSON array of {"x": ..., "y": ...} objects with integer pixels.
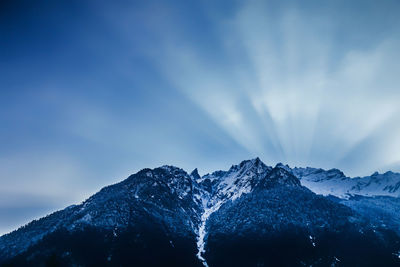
[
  {"x": 195, "y": 174},
  {"x": 284, "y": 167},
  {"x": 251, "y": 164},
  {"x": 170, "y": 168},
  {"x": 280, "y": 175},
  {"x": 255, "y": 161}
]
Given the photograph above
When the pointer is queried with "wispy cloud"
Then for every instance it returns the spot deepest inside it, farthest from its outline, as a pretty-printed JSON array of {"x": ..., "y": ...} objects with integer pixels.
[
  {"x": 204, "y": 85},
  {"x": 288, "y": 93}
]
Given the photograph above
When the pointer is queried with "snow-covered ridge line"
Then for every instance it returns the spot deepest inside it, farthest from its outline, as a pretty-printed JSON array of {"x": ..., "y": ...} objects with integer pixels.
[{"x": 334, "y": 182}]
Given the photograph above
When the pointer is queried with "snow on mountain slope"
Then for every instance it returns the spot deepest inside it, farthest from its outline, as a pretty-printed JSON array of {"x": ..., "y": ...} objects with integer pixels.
[
  {"x": 220, "y": 187},
  {"x": 334, "y": 182}
]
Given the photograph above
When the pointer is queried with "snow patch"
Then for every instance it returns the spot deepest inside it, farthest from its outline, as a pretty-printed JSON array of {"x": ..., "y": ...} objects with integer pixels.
[
  {"x": 334, "y": 182},
  {"x": 397, "y": 254},
  {"x": 234, "y": 183},
  {"x": 202, "y": 231},
  {"x": 87, "y": 218},
  {"x": 312, "y": 239}
]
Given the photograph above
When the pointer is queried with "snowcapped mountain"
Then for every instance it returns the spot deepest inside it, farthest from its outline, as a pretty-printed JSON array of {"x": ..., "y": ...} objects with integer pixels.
[
  {"x": 334, "y": 182},
  {"x": 227, "y": 217}
]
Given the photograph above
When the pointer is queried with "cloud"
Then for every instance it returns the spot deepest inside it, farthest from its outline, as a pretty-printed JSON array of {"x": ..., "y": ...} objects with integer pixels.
[{"x": 288, "y": 94}]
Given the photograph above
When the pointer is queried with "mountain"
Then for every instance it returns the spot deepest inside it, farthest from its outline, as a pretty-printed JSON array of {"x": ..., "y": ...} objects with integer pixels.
[
  {"x": 334, "y": 182},
  {"x": 249, "y": 215},
  {"x": 155, "y": 207}
]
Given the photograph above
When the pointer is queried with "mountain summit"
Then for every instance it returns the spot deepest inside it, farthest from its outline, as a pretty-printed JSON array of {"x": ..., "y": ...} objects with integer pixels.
[{"x": 249, "y": 215}]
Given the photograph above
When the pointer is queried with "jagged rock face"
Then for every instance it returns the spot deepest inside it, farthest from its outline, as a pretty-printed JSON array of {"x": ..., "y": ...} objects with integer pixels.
[
  {"x": 165, "y": 193},
  {"x": 238, "y": 180},
  {"x": 165, "y": 216},
  {"x": 278, "y": 176}
]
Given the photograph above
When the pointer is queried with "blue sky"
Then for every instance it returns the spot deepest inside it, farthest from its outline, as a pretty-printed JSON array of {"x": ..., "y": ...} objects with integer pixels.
[{"x": 92, "y": 91}]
